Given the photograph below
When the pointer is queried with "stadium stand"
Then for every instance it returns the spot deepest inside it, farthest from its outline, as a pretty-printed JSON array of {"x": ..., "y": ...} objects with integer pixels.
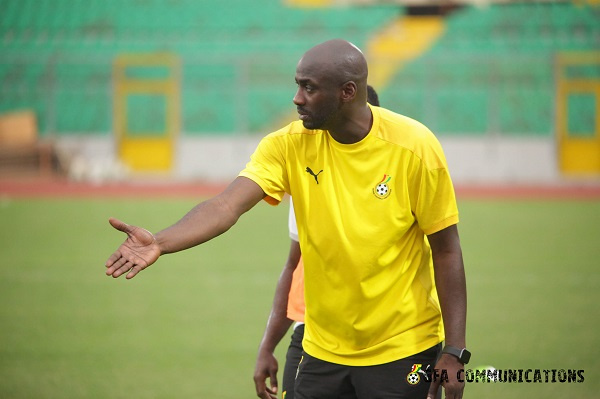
[
  {"x": 492, "y": 70},
  {"x": 237, "y": 56}
]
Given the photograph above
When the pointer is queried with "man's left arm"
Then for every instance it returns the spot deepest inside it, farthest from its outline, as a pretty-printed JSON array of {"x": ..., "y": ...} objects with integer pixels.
[{"x": 452, "y": 292}]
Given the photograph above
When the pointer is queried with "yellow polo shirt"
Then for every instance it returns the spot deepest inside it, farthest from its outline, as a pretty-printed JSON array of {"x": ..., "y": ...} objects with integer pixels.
[{"x": 363, "y": 211}]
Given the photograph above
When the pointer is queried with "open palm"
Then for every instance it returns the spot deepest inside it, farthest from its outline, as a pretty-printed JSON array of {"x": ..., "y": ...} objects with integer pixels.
[{"x": 139, "y": 251}]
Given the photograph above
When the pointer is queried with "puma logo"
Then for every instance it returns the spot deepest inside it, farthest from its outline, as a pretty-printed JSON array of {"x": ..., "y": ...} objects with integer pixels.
[
  {"x": 316, "y": 176},
  {"x": 426, "y": 373}
]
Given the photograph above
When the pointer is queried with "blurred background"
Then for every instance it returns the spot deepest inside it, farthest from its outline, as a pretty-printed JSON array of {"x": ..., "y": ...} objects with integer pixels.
[
  {"x": 116, "y": 89},
  {"x": 104, "y": 102}
]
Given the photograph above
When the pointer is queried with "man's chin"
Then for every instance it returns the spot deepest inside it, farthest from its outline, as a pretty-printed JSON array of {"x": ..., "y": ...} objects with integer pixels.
[{"x": 309, "y": 125}]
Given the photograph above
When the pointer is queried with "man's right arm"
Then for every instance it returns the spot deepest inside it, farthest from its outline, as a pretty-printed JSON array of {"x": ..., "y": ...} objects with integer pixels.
[{"x": 204, "y": 222}]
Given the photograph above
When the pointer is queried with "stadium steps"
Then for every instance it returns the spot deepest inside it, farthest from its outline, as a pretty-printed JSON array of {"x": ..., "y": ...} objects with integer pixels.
[
  {"x": 402, "y": 41},
  {"x": 309, "y": 3}
]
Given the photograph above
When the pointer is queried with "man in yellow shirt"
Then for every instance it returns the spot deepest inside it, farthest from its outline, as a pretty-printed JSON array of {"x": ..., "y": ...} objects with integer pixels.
[
  {"x": 376, "y": 216},
  {"x": 288, "y": 307}
]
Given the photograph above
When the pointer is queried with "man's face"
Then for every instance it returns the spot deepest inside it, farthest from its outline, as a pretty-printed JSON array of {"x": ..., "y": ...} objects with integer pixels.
[{"x": 317, "y": 98}]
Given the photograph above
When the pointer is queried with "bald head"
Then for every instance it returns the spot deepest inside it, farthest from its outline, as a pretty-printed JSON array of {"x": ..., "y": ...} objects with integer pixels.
[
  {"x": 337, "y": 61},
  {"x": 332, "y": 90}
]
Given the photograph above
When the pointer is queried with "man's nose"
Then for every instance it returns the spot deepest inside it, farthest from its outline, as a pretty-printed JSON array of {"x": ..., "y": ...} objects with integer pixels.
[{"x": 298, "y": 98}]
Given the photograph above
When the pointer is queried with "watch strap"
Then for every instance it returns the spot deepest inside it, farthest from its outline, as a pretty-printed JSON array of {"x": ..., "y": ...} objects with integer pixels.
[{"x": 462, "y": 354}]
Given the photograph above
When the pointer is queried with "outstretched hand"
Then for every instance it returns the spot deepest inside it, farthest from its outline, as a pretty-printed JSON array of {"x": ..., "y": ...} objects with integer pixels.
[{"x": 139, "y": 251}]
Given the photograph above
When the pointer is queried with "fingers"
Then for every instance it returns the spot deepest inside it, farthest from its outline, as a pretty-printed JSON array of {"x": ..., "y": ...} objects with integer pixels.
[
  {"x": 261, "y": 387},
  {"x": 273, "y": 380},
  {"x": 120, "y": 267},
  {"x": 113, "y": 258},
  {"x": 453, "y": 391},
  {"x": 267, "y": 393},
  {"x": 119, "y": 225},
  {"x": 433, "y": 389},
  {"x": 272, "y": 394},
  {"x": 134, "y": 271},
  {"x": 262, "y": 391},
  {"x": 139, "y": 250},
  {"x": 138, "y": 234},
  {"x": 115, "y": 262}
]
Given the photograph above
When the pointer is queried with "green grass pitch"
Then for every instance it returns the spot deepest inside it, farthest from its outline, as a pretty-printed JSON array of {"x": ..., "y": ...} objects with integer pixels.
[{"x": 189, "y": 326}]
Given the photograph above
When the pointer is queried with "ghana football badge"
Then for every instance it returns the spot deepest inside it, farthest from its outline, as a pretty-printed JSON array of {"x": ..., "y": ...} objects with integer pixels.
[
  {"x": 382, "y": 190},
  {"x": 413, "y": 378}
]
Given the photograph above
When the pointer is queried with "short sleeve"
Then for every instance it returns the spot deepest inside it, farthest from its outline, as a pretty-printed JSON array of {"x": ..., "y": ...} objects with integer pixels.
[
  {"x": 267, "y": 168},
  {"x": 435, "y": 205}
]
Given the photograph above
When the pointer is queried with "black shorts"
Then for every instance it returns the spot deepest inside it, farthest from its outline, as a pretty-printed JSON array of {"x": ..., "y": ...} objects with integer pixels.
[
  {"x": 293, "y": 356},
  {"x": 402, "y": 379}
]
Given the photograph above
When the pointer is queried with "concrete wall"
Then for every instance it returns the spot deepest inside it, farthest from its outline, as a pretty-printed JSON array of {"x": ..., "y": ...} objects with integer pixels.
[
  {"x": 492, "y": 160},
  {"x": 502, "y": 160}
]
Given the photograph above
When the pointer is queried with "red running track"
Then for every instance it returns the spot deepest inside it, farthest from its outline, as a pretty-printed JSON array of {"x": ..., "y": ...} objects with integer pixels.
[{"x": 62, "y": 188}]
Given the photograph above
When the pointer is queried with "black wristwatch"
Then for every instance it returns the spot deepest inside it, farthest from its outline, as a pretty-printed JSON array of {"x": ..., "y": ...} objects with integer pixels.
[{"x": 462, "y": 354}]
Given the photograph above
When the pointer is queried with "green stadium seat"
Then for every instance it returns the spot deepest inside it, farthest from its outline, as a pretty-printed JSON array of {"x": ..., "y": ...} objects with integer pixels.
[
  {"x": 492, "y": 69},
  {"x": 74, "y": 42}
]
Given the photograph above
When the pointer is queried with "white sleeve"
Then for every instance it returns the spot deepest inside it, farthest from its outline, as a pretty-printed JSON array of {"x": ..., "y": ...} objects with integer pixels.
[{"x": 292, "y": 222}]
